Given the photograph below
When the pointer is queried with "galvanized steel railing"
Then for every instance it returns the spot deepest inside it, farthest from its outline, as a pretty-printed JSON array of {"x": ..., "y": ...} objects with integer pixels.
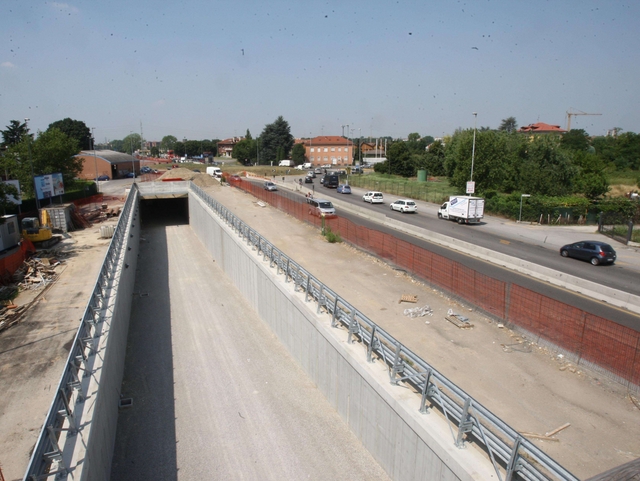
[
  {"x": 48, "y": 457},
  {"x": 512, "y": 455}
]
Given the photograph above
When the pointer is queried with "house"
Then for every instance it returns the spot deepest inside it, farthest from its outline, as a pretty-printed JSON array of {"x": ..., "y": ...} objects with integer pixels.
[
  {"x": 542, "y": 128},
  {"x": 329, "y": 150},
  {"x": 107, "y": 162},
  {"x": 225, "y": 147},
  {"x": 372, "y": 150}
]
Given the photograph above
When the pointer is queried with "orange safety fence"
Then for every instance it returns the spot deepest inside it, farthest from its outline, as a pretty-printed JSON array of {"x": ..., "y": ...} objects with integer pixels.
[
  {"x": 592, "y": 339},
  {"x": 94, "y": 199}
]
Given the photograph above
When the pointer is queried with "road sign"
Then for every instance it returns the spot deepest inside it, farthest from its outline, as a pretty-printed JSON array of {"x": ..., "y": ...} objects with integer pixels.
[{"x": 471, "y": 187}]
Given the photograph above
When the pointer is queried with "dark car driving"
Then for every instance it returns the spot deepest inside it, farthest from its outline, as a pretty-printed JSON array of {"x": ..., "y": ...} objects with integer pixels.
[{"x": 595, "y": 252}]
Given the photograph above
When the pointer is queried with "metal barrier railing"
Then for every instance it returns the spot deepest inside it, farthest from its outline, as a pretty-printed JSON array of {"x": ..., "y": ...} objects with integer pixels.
[
  {"x": 48, "y": 457},
  {"x": 512, "y": 455}
]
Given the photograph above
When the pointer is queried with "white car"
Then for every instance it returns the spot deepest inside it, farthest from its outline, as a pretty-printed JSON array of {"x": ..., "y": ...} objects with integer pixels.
[
  {"x": 404, "y": 205},
  {"x": 373, "y": 197}
]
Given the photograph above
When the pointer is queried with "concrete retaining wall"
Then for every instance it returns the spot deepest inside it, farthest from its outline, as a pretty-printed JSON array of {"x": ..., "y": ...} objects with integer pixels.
[
  {"x": 101, "y": 432},
  {"x": 409, "y": 445}
]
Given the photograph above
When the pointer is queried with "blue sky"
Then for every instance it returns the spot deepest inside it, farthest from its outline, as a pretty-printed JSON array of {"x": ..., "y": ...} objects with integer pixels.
[{"x": 207, "y": 69}]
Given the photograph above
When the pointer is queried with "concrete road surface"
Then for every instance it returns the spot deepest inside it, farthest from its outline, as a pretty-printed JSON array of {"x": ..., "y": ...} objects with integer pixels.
[{"x": 215, "y": 395}]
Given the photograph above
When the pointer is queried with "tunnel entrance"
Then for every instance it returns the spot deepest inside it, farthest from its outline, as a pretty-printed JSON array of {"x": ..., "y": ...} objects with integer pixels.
[{"x": 157, "y": 212}]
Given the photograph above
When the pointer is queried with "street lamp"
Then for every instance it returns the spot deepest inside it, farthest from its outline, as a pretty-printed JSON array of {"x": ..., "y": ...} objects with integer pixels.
[
  {"x": 95, "y": 160},
  {"x": 473, "y": 150},
  {"x": 33, "y": 178},
  {"x": 133, "y": 160},
  {"x": 521, "y": 197}
]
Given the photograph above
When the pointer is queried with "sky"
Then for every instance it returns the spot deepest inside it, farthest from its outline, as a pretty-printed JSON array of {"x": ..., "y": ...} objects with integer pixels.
[{"x": 211, "y": 69}]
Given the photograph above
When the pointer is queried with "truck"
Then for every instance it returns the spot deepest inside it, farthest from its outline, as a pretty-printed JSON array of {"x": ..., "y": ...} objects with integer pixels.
[
  {"x": 332, "y": 181},
  {"x": 214, "y": 171},
  {"x": 285, "y": 163},
  {"x": 462, "y": 209}
]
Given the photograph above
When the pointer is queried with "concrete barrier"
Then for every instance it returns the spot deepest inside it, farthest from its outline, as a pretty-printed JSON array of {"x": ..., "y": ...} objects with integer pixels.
[{"x": 407, "y": 444}]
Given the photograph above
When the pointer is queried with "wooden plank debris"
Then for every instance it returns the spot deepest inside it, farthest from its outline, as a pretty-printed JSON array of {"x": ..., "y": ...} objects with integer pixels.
[{"x": 408, "y": 298}]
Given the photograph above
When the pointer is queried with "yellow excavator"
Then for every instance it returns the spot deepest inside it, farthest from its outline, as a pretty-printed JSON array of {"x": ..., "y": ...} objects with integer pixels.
[{"x": 40, "y": 234}]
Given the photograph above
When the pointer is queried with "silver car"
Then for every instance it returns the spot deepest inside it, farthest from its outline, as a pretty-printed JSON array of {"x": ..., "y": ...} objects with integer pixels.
[{"x": 270, "y": 186}]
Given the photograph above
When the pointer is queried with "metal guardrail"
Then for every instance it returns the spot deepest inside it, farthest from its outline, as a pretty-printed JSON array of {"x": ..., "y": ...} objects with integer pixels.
[
  {"x": 48, "y": 457},
  {"x": 513, "y": 456}
]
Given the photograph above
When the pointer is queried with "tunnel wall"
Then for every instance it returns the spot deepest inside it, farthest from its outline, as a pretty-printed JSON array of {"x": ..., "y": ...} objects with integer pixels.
[{"x": 407, "y": 444}]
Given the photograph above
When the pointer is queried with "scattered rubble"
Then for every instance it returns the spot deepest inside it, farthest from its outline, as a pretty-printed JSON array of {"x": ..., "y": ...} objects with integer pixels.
[{"x": 418, "y": 312}]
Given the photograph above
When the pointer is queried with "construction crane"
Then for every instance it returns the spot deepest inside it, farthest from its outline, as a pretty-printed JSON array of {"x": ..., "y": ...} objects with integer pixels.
[{"x": 572, "y": 112}]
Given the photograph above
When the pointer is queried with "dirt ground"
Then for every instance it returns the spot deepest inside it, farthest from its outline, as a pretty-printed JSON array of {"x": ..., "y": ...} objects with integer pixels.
[
  {"x": 34, "y": 351},
  {"x": 532, "y": 389}
]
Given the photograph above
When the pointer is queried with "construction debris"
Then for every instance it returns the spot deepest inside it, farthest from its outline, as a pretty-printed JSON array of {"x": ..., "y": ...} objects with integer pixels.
[
  {"x": 457, "y": 320},
  {"x": 408, "y": 298},
  {"x": 557, "y": 430},
  {"x": 37, "y": 272},
  {"x": 418, "y": 312}
]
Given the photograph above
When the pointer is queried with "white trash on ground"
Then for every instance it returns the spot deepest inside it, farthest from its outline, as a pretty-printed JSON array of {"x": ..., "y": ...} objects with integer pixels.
[{"x": 418, "y": 311}]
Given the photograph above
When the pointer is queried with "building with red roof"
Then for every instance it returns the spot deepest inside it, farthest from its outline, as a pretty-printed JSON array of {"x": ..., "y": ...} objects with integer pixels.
[
  {"x": 542, "y": 128},
  {"x": 329, "y": 150}
]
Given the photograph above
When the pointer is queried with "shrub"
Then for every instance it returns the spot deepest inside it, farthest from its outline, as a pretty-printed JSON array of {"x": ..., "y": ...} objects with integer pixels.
[{"x": 332, "y": 237}]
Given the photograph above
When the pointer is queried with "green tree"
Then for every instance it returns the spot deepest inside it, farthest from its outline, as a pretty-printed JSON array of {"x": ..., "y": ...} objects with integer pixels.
[
  {"x": 508, "y": 125},
  {"x": 52, "y": 151},
  {"x": 245, "y": 151},
  {"x": 154, "y": 151},
  {"x": 434, "y": 159},
  {"x": 248, "y": 135},
  {"x": 168, "y": 142},
  {"x": 400, "y": 160},
  {"x": 117, "y": 145},
  {"x": 75, "y": 129},
  {"x": 576, "y": 140},
  {"x": 546, "y": 169},
  {"x": 591, "y": 179},
  {"x": 131, "y": 143},
  {"x": 413, "y": 137},
  {"x": 298, "y": 154},
  {"x": 14, "y": 133},
  {"x": 275, "y": 141}
]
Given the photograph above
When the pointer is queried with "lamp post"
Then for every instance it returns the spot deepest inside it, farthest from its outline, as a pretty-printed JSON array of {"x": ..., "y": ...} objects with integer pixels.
[
  {"x": 95, "y": 160},
  {"x": 133, "y": 160},
  {"x": 33, "y": 178},
  {"x": 473, "y": 150},
  {"x": 521, "y": 197}
]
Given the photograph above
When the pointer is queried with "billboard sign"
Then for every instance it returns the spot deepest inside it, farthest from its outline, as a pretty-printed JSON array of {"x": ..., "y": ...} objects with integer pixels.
[
  {"x": 48, "y": 186},
  {"x": 14, "y": 199}
]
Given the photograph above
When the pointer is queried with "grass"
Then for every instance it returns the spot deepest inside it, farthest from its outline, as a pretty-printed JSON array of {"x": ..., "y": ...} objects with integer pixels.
[{"x": 436, "y": 190}]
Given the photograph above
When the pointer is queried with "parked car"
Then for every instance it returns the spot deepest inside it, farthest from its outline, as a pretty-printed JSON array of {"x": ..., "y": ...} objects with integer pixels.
[
  {"x": 196, "y": 171},
  {"x": 131, "y": 175},
  {"x": 404, "y": 205},
  {"x": 234, "y": 177},
  {"x": 104, "y": 177},
  {"x": 595, "y": 252},
  {"x": 373, "y": 197},
  {"x": 343, "y": 189},
  {"x": 270, "y": 186},
  {"x": 308, "y": 179},
  {"x": 318, "y": 170}
]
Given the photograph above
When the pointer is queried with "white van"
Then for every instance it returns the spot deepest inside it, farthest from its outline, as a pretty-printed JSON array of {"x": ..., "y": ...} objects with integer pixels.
[
  {"x": 285, "y": 163},
  {"x": 306, "y": 166},
  {"x": 214, "y": 172}
]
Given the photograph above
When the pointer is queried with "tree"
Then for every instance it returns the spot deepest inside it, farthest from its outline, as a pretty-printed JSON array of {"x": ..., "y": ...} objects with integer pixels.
[
  {"x": 168, "y": 142},
  {"x": 75, "y": 129},
  {"x": 131, "y": 143},
  {"x": 15, "y": 133},
  {"x": 434, "y": 159},
  {"x": 400, "y": 160},
  {"x": 117, "y": 145},
  {"x": 413, "y": 137},
  {"x": 248, "y": 135},
  {"x": 245, "y": 151},
  {"x": 591, "y": 179},
  {"x": 576, "y": 140},
  {"x": 6, "y": 191},
  {"x": 154, "y": 151},
  {"x": 53, "y": 151},
  {"x": 546, "y": 169},
  {"x": 276, "y": 141},
  {"x": 298, "y": 154},
  {"x": 509, "y": 125}
]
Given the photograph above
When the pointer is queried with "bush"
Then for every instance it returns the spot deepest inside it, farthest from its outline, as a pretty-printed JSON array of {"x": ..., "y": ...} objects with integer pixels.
[{"x": 332, "y": 237}]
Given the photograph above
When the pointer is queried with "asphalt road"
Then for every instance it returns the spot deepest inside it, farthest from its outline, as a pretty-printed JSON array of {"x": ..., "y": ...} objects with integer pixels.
[
  {"x": 611, "y": 274},
  {"x": 215, "y": 394}
]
